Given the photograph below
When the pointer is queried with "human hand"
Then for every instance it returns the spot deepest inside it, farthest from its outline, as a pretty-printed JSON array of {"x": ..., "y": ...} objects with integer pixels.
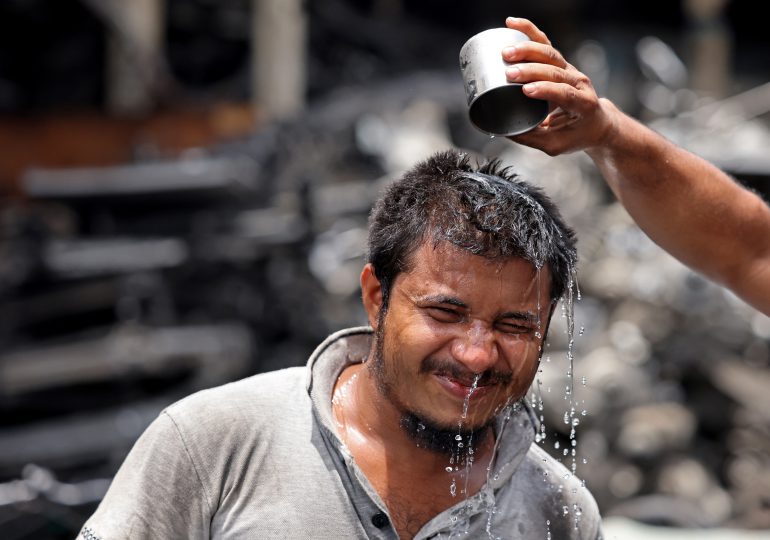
[{"x": 578, "y": 119}]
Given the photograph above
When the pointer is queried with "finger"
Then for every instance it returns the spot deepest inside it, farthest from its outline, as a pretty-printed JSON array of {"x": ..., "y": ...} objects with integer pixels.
[
  {"x": 542, "y": 139},
  {"x": 559, "y": 120},
  {"x": 526, "y": 26},
  {"x": 566, "y": 96},
  {"x": 533, "y": 137},
  {"x": 525, "y": 73},
  {"x": 530, "y": 51}
]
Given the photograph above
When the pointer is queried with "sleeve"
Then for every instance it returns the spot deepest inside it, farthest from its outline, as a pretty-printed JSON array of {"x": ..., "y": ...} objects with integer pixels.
[{"x": 157, "y": 492}]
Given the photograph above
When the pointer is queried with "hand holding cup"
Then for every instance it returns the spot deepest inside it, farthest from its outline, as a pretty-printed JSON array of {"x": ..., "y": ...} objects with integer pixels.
[{"x": 578, "y": 118}]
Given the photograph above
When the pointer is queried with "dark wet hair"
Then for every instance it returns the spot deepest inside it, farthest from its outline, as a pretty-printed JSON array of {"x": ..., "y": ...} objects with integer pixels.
[{"x": 487, "y": 211}]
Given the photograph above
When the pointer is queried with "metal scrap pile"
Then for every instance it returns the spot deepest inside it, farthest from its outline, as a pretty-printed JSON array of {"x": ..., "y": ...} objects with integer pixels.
[
  {"x": 671, "y": 370},
  {"x": 123, "y": 289},
  {"x": 126, "y": 288}
]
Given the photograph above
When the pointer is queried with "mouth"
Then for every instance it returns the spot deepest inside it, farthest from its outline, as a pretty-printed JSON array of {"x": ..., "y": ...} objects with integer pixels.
[{"x": 464, "y": 388}]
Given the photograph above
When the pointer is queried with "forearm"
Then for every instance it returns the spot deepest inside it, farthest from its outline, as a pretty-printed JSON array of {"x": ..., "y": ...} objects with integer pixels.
[{"x": 688, "y": 206}]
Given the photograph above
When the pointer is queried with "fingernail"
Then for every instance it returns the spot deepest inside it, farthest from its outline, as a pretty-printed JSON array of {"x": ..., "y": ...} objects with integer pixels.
[
  {"x": 530, "y": 88},
  {"x": 513, "y": 73},
  {"x": 509, "y": 51},
  {"x": 511, "y": 19}
]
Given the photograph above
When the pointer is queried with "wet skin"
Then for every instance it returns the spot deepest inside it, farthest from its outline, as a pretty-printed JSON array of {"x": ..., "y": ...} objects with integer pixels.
[
  {"x": 451, "y": 317},
  {"x": 455, "y": 315}
]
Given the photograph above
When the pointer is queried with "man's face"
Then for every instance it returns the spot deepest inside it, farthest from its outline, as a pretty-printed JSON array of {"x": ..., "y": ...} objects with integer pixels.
[{"x": 455, "y": 316}]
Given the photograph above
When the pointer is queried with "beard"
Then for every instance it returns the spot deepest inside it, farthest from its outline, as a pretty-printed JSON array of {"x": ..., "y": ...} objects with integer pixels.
[{"x": 453, "y": 440}]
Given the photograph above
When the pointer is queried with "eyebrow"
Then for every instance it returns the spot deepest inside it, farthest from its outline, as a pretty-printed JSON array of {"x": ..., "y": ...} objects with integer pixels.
[
  {"x": 526, "y": 316},
  {"x": 443, "y": 299}
]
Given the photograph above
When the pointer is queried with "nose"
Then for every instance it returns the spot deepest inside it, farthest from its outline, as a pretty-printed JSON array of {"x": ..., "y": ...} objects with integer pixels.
[{"x": 476, "y": 349}]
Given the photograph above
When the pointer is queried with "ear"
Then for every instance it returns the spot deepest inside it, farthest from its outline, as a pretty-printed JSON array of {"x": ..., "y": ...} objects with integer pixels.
[{"x": 371, "y": 294}]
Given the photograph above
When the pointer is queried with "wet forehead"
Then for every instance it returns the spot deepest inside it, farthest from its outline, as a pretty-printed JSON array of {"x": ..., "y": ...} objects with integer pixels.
[{"x": 445, "y": 269}]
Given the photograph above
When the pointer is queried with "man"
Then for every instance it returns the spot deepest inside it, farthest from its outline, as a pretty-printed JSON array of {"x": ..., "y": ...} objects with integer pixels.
[
  {"x": 685, "y": 204},
  {"x": 413, "y": 428}
]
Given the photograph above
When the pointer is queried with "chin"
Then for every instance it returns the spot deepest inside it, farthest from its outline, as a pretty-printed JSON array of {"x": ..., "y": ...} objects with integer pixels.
[{"x": 440, "y": 437}]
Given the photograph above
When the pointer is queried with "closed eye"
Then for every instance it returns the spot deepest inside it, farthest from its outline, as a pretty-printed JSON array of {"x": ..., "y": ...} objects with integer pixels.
[
  {"x": 444, "y": 314},
  {"x": 513, "y": 327}
]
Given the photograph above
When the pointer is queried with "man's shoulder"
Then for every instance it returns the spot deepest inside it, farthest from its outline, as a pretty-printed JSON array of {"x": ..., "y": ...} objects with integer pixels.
[
  {"x": 564, "y": 488},
  {"x": 250, "y": 399},
  {"x": 555, "y": 473},
  {"x": 545, "y": 496},
  {"x": 262, "y": 386}
]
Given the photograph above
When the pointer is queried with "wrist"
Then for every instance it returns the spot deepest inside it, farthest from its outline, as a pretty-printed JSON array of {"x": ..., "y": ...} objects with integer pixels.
[{"x": 607, "y": 137}]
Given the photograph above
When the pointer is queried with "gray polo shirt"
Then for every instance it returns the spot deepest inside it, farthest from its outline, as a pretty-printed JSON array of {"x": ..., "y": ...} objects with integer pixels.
[{"x": 260, "y": 458}]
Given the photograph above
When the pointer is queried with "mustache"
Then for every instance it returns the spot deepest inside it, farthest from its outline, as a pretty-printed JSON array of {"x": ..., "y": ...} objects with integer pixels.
[{"x": 454, "y": 370}]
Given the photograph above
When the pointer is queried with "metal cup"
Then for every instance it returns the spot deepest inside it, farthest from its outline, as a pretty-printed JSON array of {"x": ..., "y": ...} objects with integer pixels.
[{"x": 496, "y": 106}]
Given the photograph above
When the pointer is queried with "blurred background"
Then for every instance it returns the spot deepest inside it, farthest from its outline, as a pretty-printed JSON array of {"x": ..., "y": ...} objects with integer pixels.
[{"x": 184, "y": 186}]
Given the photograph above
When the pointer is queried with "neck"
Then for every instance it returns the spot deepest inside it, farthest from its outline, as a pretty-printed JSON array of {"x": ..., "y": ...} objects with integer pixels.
[{"x": 370, "y": 422}]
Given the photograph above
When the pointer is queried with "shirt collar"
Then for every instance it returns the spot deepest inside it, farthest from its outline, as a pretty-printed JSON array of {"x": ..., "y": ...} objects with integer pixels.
[{"x": 515, "y": 428}]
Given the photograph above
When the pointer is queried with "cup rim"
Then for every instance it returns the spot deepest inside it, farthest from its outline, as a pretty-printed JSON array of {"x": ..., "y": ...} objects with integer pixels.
[
  {"x": 509, "y": 133},
  {"x": 478, "y": 35}
]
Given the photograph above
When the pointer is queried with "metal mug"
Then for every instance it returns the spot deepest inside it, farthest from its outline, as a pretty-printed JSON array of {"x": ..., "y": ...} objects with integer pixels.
[{"x": 496, "y": 106}]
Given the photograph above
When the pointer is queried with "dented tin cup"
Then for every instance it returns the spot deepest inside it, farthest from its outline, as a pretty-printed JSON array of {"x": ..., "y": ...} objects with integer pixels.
[{"x": 495, "y": 105}]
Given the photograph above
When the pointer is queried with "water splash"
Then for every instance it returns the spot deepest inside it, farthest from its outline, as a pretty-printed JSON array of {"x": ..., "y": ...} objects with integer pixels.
[
  {"x": 568, "y": 311},
  {"x": 460, "y": 454},
  {"x": 466, "y": 403},
  {"x": 572, "y": 412},
  {"x": 571, "y": 293},
  {"x": 507, "y": 412}
]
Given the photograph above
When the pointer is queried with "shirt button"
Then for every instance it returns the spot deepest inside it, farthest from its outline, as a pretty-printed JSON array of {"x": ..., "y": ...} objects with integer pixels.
[{"x": 380, "y": 520}]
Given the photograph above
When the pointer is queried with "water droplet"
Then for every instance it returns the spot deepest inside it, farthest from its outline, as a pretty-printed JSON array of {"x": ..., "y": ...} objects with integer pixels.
[
  {"x": 449, "y": 469},
  {"x": 458, "y": 437}
]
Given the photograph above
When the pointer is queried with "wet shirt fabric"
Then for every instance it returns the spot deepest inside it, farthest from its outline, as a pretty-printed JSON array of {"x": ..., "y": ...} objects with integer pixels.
[{"x": 260, "y": 458}]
